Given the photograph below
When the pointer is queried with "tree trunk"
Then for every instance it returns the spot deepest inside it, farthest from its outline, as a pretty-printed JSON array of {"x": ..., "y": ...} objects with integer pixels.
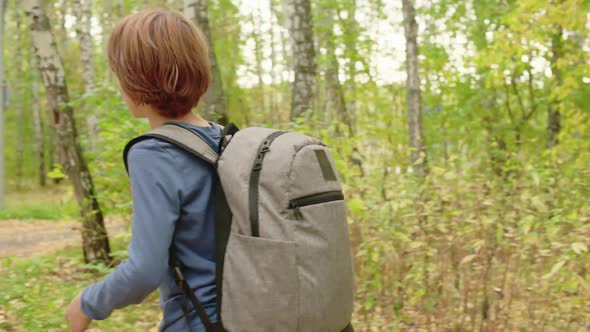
[
  {"x": 83, "y": 12},
  {"x": 119, "y": 9},
  {"x": 63, "y": 31},
  {"x": 18, "y": 99},
  {"x": 107, "y": 27},
  {"x": 351, "y": 30},
  {"x": 214, "y": 105},
  {"x": 2, "y": 101},
  {"x": 336, "y": 98},
  {"x": 259, "y": 55},
  {"x": 94, "y": 236},
  {"x": 38, "y": 130},
  {"x": 554, "y": 115},
  {"x": 283, "y": 52},
  {"x": 303, "y": 57},
  {"x": 273, "y": 60},
  {"x": 418, "y": 154},
  {"x": 175, "y": 4}
]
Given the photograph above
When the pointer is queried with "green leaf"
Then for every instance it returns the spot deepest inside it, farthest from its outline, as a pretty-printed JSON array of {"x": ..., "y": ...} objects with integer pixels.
[
  {"x": 554, "y": 270},
  {"x": 539, "y": 204},
  {"x": 56, "y": 172},
  {"x": 356, "y": 206},
  {"x": 579, "y": 247},
  {"x": 467, "y": 259},
  {"x": 416, "y": 244}
]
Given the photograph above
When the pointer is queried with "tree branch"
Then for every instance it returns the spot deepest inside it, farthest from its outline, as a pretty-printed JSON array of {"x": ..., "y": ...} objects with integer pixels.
[{"x": 508, "y": 105}]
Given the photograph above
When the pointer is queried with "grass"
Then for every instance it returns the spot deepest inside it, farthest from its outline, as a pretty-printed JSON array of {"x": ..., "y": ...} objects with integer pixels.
[
  {"x": 34, "y": 294},
  {"x": 50, "y": 203}
]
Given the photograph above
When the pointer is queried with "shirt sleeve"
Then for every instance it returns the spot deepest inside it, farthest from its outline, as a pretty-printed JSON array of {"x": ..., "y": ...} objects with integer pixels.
[{"x": 155, "y": 187}]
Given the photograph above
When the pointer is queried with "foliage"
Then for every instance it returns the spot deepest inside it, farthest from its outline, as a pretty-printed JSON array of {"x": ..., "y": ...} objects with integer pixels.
[
  {"x": 35, "y": 292},
  {"x": 494, "y": 238},
  {"x": 53, "y": 204},
  {"x": 116, "y": 128}
]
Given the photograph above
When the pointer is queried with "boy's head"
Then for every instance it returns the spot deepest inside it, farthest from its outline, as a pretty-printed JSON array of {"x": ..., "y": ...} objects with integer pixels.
[{"x": 161, "y": 59}]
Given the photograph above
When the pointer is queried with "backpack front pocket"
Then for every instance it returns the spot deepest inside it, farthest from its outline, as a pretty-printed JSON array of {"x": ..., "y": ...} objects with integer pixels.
[
  {"x": 324, "y": 262},
  {"x": 326, "y": 197},
  {"x": 259, "y": 285}
]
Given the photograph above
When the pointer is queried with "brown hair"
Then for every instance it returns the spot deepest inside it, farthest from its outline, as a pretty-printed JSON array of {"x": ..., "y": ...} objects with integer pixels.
[{"x": 160, "y": 58}]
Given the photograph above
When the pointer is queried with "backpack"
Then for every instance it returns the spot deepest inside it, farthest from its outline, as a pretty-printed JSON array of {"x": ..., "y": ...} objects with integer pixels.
[{"x": 282, "y": 247}]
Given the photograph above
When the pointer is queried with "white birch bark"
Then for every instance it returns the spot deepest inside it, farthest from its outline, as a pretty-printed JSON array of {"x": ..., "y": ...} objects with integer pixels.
[
  {"x": 2, "y": 101},
  {"x": 94, "y": 237},
  {"x": 284, "y": 52},
  {"x": 62, "y": 13},
  {"x": 107, "y": 27},
  {"x": 273, "y": 61},
  {"x": 38, "y": 129},
  {"x": 119, "y": 8},
  {"x": 335, "y": 91},
  {"x": 83, "y": 13},
  {"x": 418, "y": 153},
  {"x": 303, "y": 60},
  {"x": 352, "y": 27},
  {"x": 259, "y": 55},
  {"x": 213, "y": 103},
  {"x": 17, "y": 99}
]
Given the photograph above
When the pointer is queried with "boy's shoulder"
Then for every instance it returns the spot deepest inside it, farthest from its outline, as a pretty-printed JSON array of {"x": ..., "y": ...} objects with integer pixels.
[{"x": 151, "y": 150}]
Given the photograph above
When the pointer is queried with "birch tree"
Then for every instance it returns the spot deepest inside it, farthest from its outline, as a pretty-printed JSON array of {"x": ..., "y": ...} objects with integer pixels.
[
  {"x": 335, "y": 90},
  {"x": 416, "y": 135},
  {"x": 273, "y": 60},
  {"x": 259, "y": 56},
  {"x": 350, "y": 28},
  {"x": 94, "y": 236},
  {"x": 553, "y": 113},
  {"x": 284, "y": 54},
  {"x": 38, "y": 128},
  {"x": 62, "y": 33},
  {"x": 83, "y": 12},
  {"x": 18, "y": 97},
  {"x": 2, "y": 101},
  {"x": 303, "y": 61},
  {"x": 213, "y": 103}
]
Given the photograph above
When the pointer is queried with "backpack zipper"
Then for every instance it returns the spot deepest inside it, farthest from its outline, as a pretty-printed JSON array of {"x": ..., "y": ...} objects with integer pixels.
[
  {"x": 325, "y": 197},
  {"x": 263, "y": 149}
]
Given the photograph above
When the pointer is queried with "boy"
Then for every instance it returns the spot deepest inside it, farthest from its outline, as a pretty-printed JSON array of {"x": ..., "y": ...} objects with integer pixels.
[{"x": 161, "y": 61}]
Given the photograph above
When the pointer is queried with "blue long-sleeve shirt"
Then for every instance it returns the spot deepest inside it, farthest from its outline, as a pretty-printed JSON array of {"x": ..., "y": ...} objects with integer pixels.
[{"x": 171, "y": 192}]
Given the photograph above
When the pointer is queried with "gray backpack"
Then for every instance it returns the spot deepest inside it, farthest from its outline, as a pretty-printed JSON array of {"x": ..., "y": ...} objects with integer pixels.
[{"x": 283, "y": 252}]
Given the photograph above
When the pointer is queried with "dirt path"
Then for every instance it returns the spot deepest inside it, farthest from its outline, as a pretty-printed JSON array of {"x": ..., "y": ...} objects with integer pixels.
[{"x": 35, "y": 238}]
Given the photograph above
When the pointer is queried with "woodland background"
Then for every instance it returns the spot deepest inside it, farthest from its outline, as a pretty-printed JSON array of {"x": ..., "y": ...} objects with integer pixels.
[{"x": 462, "y": 141}]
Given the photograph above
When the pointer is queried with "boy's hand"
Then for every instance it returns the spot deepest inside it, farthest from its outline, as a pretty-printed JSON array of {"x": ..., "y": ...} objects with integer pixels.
[{"x": 77, "y": 320}]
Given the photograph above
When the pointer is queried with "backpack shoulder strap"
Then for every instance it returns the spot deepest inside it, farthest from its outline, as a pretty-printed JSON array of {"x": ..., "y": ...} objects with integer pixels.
[{"x": 182, "y": 137}]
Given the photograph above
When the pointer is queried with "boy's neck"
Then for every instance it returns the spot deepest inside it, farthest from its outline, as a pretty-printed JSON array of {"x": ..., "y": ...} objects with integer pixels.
[{"x": 156, "y": 120}]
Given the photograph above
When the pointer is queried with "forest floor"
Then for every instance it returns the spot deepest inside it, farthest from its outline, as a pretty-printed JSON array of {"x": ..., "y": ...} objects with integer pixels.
[
  {"x": 35, "y": 290},
  {"x": 40, "y": 221},
  {"x": 42, "y": 267},
  {"x": 32, "y": 238}
]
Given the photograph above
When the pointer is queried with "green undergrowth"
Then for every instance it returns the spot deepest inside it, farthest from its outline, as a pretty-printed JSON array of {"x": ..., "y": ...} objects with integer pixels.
[
  {"x": 49, "y": 203},
  {"x": 35, "y": 211},
  {"x": 34, "y": 293}
]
